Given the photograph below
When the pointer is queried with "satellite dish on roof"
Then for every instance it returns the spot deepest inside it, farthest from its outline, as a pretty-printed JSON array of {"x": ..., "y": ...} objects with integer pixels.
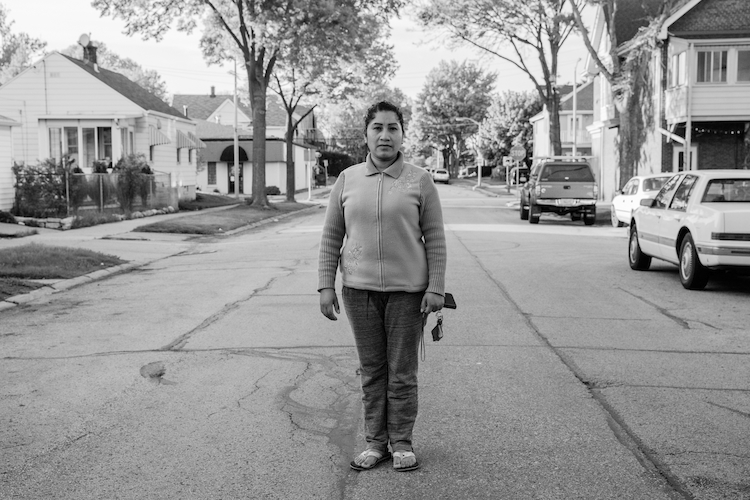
[{"x": 84, "y": 40}]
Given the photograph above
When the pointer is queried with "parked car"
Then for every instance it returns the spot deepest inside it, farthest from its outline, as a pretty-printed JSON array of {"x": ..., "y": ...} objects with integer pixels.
[
  {"x": 699, "y": 220},
  {"x": 631, "y": 194},
  {"x": 441, "y": 175},
  {"x": 561, "y": 186}
]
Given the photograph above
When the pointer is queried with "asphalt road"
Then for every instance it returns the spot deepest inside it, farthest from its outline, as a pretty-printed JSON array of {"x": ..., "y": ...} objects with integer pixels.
[{"x": 211, "y": 374}]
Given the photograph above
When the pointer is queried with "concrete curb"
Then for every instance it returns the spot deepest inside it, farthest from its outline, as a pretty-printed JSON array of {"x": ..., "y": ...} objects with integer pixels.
[{"x": 24, "y": 298}]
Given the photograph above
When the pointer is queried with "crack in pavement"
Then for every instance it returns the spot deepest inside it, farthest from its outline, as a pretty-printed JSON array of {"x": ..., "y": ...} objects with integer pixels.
[
  {"x": 729, "y": 408},
  {"x": 183, "y": 339},
  {"x": 684, "y": 324}
]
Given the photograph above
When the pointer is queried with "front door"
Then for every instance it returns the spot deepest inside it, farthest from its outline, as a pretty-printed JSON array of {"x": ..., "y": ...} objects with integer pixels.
[{"x": 230, "y": 170}]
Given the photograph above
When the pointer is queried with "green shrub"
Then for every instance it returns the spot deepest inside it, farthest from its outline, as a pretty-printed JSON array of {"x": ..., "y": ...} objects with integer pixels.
[
  {"x": 7, "y": 218},
  {"x": 272, "y": 190},
  {"x": 94, "y": 219},
  {"x": 131, "y": 179},
  {"x": 40, "y": 189}
]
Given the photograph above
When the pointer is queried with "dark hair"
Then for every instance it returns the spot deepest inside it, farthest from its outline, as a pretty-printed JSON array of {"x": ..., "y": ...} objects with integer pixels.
[{"x": 383, "y": 106}]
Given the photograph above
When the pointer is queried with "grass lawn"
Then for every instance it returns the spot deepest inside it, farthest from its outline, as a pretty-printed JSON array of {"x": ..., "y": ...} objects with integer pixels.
[
  {"x": 221, "y": 221},
  {"x": 33, "y": 262}
]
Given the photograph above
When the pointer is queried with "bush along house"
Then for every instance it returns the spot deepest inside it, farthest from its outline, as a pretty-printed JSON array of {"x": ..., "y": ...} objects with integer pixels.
[
  {"x": 93, "y": 117},
  {"x": 214, "y": 114}
]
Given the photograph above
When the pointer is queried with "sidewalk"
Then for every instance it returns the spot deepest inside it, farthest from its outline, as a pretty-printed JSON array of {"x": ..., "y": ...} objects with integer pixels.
[{"x": 115, "y": 238}]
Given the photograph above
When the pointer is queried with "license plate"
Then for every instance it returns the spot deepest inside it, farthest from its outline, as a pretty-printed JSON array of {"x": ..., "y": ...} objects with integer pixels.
[{"x": 566, "y": 203}]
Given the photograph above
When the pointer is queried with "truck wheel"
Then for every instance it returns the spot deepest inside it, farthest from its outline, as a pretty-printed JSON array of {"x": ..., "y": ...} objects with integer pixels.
[
  {"x": 638, "y": 260},
  {"x": 534, "y": 214},
  {"x": 693, "y": 274},
  {"x": 589, "y": 218},
  {"x": 524, "y": 211}
]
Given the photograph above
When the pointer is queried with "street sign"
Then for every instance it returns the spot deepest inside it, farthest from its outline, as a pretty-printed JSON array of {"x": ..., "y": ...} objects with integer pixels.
[{"x": 518, "y": 153}]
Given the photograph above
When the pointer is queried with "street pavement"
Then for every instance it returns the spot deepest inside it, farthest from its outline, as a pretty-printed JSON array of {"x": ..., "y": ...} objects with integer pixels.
[{"x": 253, "y": 395}]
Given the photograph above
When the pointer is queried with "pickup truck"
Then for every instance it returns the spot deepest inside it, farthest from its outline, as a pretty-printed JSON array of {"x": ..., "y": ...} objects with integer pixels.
[{"x": 562, "y": 187}]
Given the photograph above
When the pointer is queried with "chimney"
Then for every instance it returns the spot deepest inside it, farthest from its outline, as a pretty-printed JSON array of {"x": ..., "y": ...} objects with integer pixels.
[
  {"x": 213, "y": 91},
  {"x": 184, "y": 110},
  {"x": 89, "y": 53}
]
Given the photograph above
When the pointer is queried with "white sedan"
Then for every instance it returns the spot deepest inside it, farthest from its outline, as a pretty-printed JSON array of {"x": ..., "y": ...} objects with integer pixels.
[
  {"x": 631, "y": 194},
  {"x": 441, "y": 175},
  {"x": 699, "y": 220}
]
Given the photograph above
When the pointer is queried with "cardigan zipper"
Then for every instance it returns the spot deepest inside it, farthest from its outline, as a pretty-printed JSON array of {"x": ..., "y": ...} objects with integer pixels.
[{"x": 378, "y": 216}]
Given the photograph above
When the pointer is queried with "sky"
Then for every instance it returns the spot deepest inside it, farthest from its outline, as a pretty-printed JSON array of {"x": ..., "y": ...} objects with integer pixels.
[{"x": 178, "y": 59}]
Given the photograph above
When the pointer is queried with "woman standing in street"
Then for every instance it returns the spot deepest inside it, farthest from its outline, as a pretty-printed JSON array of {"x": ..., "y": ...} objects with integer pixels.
[{"x": 393, "y": 272}]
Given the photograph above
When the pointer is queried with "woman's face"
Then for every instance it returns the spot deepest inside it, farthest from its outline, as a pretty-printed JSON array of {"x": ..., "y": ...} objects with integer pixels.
[{"x": 384, "y": 138}]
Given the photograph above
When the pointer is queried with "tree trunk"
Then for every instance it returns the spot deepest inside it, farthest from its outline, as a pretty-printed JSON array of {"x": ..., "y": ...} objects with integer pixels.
[
  {"x": 290, "y": 177},
  {"x": 628, "y": 145},
  {"x": 258, "y": 95},
  {"x": 553, "y": 107}
]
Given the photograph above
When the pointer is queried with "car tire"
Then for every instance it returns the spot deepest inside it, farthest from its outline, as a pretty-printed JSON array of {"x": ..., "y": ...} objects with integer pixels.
[
  {"x": 638, "y": 260},
  {"x": 615, "y": 221},
  {"x": 693, "y": 274},
  {"x": 534, "y": 214},
  {"x": 589, "y": 218},
  {"x": 574, "y": 216}
]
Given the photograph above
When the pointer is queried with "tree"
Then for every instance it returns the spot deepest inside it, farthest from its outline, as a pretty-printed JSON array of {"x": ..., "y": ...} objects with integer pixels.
[
  {"x": 344, "y": 118},
  {"x": 331, "y": 64},
  {"x": 451, "y": 92},
  {"x": 254, "y": 32},
  {"x": 508, "y": 124},
  {"x": 149, "y": 79},
  {"x": 17, "y": 50},
  {"x": 534, "y": 30},
  {"x": 627, "y": 69}
]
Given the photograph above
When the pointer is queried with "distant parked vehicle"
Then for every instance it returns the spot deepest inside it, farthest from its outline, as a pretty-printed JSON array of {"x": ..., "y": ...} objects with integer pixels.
[
  {"x": 441, "y": 175},
  {"x": 699, "y": 220},
  {"x": 562, "y": 186},
  {"x": 630, "y": 196}
]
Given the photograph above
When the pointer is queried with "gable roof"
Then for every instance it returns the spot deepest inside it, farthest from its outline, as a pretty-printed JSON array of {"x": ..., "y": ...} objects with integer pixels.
[
  {"x": 584, "y": 98},
  {"x": 633, "y": 15},
  {"x": 127, "y": 88},
  {"x": 714, "y": 18},
  {"x": 202, "y": 106}
]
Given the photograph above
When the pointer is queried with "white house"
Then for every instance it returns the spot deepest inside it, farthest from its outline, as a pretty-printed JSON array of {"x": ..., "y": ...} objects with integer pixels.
[
  {"x": 700, "y": 87},
  {"x": 66, "y": 106},
  {"x": 576, "y": 115},
  {"x": 6, "y": 162},
  {"x": 215, "y": 116}
]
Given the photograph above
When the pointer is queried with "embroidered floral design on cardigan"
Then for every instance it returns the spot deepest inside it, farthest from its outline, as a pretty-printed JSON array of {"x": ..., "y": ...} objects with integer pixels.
[
  {"x": 352, "y": 259},
  {"x": 404, "y": 183}
]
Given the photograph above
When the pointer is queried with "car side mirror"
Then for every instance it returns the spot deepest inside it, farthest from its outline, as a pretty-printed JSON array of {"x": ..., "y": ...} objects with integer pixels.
[{"x": 647, "y": 202}]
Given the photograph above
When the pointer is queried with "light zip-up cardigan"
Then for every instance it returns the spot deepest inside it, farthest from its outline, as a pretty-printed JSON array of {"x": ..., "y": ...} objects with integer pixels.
[{"x": 393, "y": 224}]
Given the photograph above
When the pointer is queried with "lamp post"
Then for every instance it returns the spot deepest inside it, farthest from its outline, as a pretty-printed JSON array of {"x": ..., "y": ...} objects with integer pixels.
[{"x": 479, "y": 167}]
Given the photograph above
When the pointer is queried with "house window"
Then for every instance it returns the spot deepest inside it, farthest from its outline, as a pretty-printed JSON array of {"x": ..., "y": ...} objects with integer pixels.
[
  {"x": 55, "y": 143},
  {"x": 712, "y": 66},
  {"x": 178, "y": 155},
  {"x": 89, "y": 148},
  {"x": 104, "y": 142},
  {"x": 212, "y": 173},
  {"x": 151, "y": 153},
  {"x": 743, "y": 65},
  {"x": 677, "y": 75}
]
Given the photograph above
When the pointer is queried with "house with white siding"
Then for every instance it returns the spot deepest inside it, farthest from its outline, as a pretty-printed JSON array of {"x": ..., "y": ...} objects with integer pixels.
[
  {"x": 215, "y": 114},
  {"x": 700, "y": 88},
  {"x": 65, "y": 106},
  {"x": 6, "y": 162}
]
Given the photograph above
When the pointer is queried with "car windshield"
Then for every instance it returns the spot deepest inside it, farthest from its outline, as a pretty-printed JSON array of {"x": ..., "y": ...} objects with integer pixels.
[
  {"x": 654, "y": 184},
  {"x": 574, "y": 172},
  {"x": 727, "y": 191}
]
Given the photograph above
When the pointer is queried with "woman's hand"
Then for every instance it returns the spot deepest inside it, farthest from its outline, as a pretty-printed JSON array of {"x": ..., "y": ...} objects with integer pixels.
[
  {"x": 431, "y": 302},
  {"x": 329, "y": 302}
]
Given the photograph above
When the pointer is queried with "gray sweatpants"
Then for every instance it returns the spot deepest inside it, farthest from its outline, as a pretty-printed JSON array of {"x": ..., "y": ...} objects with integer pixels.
[{"x": 387, "y": 327}]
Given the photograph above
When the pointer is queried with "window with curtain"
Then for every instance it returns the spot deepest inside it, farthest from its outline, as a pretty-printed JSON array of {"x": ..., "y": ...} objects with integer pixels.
[
  {"x": 55, "y": 143},
  {"x": 743, "y": 65},
  {"x": 212, "y": 173}
]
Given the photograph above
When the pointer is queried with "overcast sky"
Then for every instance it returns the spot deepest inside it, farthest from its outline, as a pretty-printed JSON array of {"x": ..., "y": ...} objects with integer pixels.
[{"x": 178, "y": 59}]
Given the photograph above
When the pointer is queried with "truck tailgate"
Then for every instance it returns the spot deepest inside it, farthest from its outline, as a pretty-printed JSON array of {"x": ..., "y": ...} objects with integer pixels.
[{"x": 557, "y": 190}]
